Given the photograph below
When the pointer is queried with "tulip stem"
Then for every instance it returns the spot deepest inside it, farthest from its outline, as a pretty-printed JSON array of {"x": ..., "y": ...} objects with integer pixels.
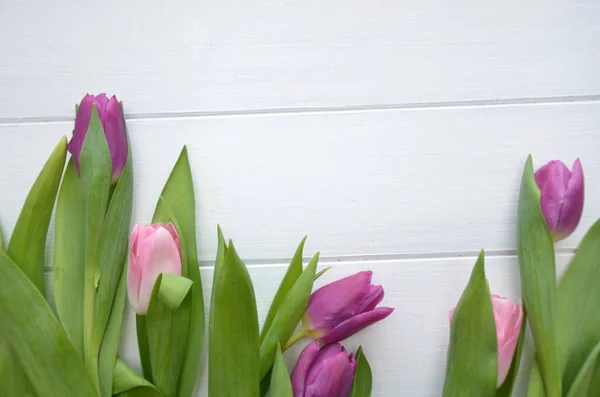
[{"x": 294, "y": 339}]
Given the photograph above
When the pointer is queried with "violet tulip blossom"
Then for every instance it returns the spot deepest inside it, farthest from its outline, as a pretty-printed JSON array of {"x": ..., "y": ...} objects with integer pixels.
[
  {"x": 561, "y": 196},
  {"x": 508, "y": 317},
  {"x": 344, "y": 307},
  {"x": 113, "y": 123},
  {"x": 154, "y": 250},
  {"x": 323, "y": 372}
]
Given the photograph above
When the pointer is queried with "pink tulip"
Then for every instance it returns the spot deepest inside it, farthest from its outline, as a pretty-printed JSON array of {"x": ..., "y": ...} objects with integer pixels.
[
  {"x": 323, "y": 372},
  {"x": 508, "y": 317},
  {"x": 344, "y": 307},
  {"x": 154, "y": 250},
  {"x": 561, "y": 196},
  {"x": 113, "y": 122}
]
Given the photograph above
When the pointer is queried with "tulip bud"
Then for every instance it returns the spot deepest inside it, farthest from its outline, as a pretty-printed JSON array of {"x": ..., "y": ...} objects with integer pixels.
[
  {"x": 326, "y": 372},
  {"x": 344, "y": 307},
  {"x": 113, "y": 123},
  {"x": 154, "y": 250},
  {"x": 508, "y": 317},
  {"x": 561, "y": 196}
]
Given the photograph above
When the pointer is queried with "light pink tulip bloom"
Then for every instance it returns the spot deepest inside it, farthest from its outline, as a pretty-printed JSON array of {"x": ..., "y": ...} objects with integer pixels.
[
  {"x": 154, "y": 250},
  {"x": 561, "y": 196},
  {"x": 344, "y": 307},
  {"x": 508, "y": 317}
]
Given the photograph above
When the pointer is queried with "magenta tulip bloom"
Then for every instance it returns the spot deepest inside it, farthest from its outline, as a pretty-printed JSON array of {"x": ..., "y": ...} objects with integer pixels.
[
  {"x": 323, "y": 372},
  {"x": 154, "y": 250},
  {"x": 508, "y": 317},
  {"x": 344, "y": 307},
  {"x": 561, "y": 196},
  {"x": 113, "y": 122}
]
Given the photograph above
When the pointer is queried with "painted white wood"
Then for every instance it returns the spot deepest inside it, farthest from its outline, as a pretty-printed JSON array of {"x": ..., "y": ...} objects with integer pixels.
[
  {"x": 236, "y": 55},
  {"x": 409, "y": 182},
  {"x": 407, "y": 351}
]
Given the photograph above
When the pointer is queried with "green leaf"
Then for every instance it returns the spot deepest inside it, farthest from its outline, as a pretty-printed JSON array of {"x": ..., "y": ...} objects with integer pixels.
[
  {"x": 581, "y": 384},
  {"x": 233, "y": 336},
  {"x": 472, "y": 368},
  {"x": 538, "y": 279},
  {"x": 112, "y": 259},
  {"x": 507, "y": 387},
  {"x": 27, "y": 246},
  {"x": 363, "y": 378},
  {"x": 167, "y": 329},
  {"x": 321, "y": 272},
  {"x": 110, "y": 341},
  {"x": 95, "y": 167},
  {"x": 281, "y": 385},
  {"x": 69, "y": 256},
  {"x": 288, "y": 316},
  {"x": 48, "y": 358},
  {"x": 294, "y": 271},
  {"x": 536, "y": 383},
  {"x": 178, "y": 206},
  {"x": 578, "y": 300},
  {"x": 127, "y": 383}
]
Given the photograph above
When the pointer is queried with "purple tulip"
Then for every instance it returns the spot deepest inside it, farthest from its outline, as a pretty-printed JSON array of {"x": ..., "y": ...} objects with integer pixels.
[
  {"x": 561, "y": 196},
  {"x": 113, "y": 122},
  {"x": 323, "y": 372},
  {"x": 344, "y": 307}
]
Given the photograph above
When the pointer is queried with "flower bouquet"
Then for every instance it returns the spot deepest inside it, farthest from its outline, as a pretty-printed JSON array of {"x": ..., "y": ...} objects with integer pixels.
[{"x": 71, "y": 347}]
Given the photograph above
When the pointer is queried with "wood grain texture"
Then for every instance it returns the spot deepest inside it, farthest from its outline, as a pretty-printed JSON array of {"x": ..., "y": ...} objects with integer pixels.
[
  {"x": 397, "y": 182},
  {"x": 238, "y": 55},
  {"x": 407, "y": 351}
]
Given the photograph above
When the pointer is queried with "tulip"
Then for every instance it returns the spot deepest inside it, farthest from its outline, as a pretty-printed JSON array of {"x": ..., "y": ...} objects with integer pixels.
[
  {"x": 561, "y": 196},
  {"x": 323, "y": 372},
  {"x": 113, "y": 123},
  {"x": 508, "y": 317},
  {"x": 154, "y": 250},
  {"x": 344, "y": 307}
]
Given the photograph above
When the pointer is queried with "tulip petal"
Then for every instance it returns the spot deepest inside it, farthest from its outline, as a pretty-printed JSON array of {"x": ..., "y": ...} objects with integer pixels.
[
  {"x": 508, "y": 317},
  {"x": 338, "y": 301},
  {"x": 355, "y": 324},
  {"x": 82, "y": 122},
  {"x": 159, "y": 255},
  {"x": 101, "y": 101},
  {"x": 375, "y": 296},
  {"x": 325, "y": 354},
  {"x": 307, "y": 357},
  {"x": 572, "y": 203},
  {"x": 333, "y": 379},
  {"x": 116, "y": 136}
]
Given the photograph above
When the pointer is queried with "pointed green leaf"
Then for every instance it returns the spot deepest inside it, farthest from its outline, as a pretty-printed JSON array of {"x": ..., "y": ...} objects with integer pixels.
[
  {"x": 538, "y": 279},
  {"x": 95, "y": 167},
  {"x": 178, "y": 195},
  {"x": 167, "y": 328},
  {"x": 294, "y": 271},
  {"x": 112, "y": 257},
  {"x": 506, "y": 389},
  {"x": 582, "y": 383},
  {"x": 69, "y": 256},
  {"x": 288, "y": 316},
  {"x": 110, "y": 341},
  {"x": 536, "y": 384},
  {"x": 363, "y": 378},
  {"x": 48, "y": 358},
  {"x": 127, "y": 383},
  {"x": 233, "y": 337},
  {"x": 321, "y": 272},
  {"x": 27, "y": 246},
  {"x": 472, "y": 353},
  {"x": 578, "y": 300},
  {"x": 281, "y": 385}
]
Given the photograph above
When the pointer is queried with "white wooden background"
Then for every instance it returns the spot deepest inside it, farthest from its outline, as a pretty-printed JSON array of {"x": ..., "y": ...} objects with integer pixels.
[{"x": 393, "y": 133}]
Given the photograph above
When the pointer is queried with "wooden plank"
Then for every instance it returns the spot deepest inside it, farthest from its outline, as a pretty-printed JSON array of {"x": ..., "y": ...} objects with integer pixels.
[
  {"x": 213, "y": 56},
  {"x": 407, "y": 351},
  {"x": 392, "y": 182}
]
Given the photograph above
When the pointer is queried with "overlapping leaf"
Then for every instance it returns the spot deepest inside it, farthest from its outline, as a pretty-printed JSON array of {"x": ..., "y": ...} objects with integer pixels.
[{"x": 362, "y": 384}]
